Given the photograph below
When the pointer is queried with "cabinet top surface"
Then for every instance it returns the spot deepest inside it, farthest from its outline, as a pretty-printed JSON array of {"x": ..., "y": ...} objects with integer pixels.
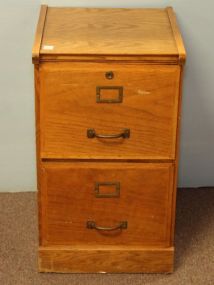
[{"x": 116, "y": 31}]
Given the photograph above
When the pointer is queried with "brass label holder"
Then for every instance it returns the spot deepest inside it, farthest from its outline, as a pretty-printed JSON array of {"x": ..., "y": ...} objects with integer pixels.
[
  {"x": 114, "y": 194},
  {"x": 99, "y": 98}
]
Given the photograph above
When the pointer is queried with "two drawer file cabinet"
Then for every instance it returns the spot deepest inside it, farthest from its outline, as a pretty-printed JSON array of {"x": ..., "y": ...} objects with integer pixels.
[{"x": 108, "y": 93}]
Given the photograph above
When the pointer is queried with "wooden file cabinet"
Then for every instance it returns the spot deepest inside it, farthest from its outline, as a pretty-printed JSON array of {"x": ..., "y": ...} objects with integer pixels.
[{"x": 108, "y": 89}]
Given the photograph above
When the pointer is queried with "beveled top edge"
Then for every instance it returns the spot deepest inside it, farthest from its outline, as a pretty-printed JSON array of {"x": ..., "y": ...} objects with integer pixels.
[
  {"x": 39, "y": 34},
  {"x": 177, "y": 35}
]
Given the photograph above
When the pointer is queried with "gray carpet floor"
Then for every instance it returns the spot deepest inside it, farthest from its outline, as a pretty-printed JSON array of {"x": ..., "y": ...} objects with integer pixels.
[{"x": 194, "y": 262}]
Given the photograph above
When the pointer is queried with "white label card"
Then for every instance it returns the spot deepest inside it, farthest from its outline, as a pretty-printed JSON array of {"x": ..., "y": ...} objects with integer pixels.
[{"x": 48, "y": 47}]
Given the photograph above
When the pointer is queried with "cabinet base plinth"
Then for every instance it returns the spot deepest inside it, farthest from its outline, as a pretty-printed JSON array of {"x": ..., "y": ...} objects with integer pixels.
[{"x": 106, "y": 259}]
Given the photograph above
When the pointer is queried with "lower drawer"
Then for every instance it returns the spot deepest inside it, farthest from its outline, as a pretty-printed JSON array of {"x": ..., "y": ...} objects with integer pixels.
[{"x": 106, "y": 203}]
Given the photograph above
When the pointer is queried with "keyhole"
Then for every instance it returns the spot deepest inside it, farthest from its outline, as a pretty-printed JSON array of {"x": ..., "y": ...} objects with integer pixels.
[{"x": 109, "y": 74}]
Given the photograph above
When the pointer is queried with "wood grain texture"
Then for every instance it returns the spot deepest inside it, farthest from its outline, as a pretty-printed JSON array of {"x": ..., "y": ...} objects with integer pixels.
[
  {"x": 39, "y": 34},
  {"x": 69, "y": 201},
  {"x": 146, "y": 35},
  {"x": 108, "y": 31},
  {"x": 106, "y": 260},
  {"x": 69, "y": 108}
]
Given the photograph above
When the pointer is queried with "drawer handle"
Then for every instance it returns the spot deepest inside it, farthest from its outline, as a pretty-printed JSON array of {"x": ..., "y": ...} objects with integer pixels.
[
  {"x": 92, "y": 225},
  {"x": 91, "y": 133}
]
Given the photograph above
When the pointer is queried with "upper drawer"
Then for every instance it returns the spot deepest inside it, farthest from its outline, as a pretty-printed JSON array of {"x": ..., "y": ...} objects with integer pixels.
[{"x": 78, "y": 97}]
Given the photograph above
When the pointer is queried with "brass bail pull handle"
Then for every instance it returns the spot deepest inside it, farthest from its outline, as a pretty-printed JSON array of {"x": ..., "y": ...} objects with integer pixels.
[
  {"x": 91, "y": 133},
  {"x": 92, "y": 225}
]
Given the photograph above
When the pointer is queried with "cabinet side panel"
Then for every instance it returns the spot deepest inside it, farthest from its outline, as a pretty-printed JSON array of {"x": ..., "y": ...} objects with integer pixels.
[
  {"x": 174, "y": 194},
  {"x": 37, "y": 117}
]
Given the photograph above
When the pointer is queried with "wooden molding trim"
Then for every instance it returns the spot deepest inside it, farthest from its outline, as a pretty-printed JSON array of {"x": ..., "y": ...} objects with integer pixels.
[
  {"x": 39, "y": 34},
  {"x": 145, "y": 59},
  {"x": 177, "y": 35},
  {"x": 113, "y": 259}
]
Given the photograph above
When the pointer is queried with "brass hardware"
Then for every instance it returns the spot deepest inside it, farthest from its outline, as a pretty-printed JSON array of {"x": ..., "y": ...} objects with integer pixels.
[
  {"x": 109, "y": 75},
  {"x": 107, "y": 195},
  {"x": 121, "y": 225},
  {"x": 117, "y": 100},
  {"x": 91, "y": 133}
]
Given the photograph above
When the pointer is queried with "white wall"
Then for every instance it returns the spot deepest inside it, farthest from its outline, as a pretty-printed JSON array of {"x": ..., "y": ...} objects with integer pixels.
[{"x": 17, "y": 142}]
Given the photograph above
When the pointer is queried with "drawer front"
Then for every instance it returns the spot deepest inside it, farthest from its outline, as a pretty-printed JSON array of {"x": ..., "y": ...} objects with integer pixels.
[
  {"x": 129, "y": 202},
  {"x": 82, "y": 101}
]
